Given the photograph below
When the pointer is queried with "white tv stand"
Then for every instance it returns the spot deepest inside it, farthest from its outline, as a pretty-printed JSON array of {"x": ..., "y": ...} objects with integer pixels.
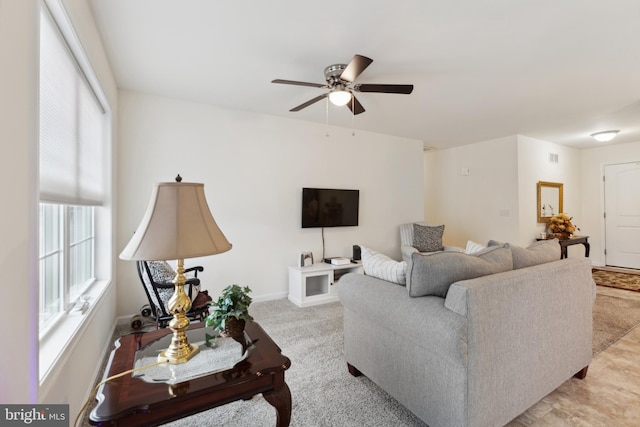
[{"x": 315, "y": 284}]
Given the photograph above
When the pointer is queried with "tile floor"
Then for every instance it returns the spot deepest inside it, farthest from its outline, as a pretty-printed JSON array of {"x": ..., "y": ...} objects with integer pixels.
[{"x": 609, "y": 395}]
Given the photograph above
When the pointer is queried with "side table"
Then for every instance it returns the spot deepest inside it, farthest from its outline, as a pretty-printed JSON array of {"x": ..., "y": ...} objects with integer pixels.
[
  {"x": 131, "y": 401},
  {"x": 575, "y": 240}
]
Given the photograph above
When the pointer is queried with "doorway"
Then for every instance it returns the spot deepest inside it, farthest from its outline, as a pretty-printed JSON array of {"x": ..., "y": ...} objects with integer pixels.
[{"x": 622, "y": 215}]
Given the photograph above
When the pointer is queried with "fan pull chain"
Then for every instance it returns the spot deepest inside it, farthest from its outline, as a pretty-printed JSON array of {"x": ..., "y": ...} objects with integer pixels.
[
  {"x": 353, "y": 115},
  {"x": 327, "y": 122}
]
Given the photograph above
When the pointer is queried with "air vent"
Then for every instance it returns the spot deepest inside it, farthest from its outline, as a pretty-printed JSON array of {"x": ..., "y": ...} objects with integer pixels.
[{"x": 553, "y": 158}]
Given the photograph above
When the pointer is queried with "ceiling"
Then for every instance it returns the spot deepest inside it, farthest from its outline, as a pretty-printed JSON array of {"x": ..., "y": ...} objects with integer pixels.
[{"x": 555, "y": 70}]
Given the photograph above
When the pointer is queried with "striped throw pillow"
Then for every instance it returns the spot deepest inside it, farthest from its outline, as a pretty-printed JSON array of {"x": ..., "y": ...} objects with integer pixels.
[
  {"x": 382, "y": 267},
  {"x": 473, "y": 247}
]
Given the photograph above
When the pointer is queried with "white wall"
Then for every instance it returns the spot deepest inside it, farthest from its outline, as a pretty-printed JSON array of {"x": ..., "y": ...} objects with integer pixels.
[
  {"x": 18, "y": 218},
  {"x": 592, "y": 204},
  {"x": 534, "y": 166},
  {"x": 480, "y": 206},
  {"x": 498, "y": 199},
  {"x": 254, "y": 167},
  {"x": 74, "y": 373}
]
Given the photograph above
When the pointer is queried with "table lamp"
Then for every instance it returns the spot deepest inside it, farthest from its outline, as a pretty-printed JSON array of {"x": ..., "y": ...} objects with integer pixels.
[{"x": 177, "y": 225}]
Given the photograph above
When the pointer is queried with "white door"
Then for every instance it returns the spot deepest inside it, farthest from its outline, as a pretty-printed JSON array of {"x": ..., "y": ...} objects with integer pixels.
[{"x": 622, "y": 214}]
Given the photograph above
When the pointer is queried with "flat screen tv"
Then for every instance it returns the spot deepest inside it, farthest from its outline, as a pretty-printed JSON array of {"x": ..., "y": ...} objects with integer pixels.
[{"x": 324, "y": 207}]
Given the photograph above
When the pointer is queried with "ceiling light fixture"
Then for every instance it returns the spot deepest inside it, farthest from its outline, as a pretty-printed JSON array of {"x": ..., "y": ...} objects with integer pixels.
[
  {"x": 605, "y": 136},
  {"x": 340, "y": 96}
]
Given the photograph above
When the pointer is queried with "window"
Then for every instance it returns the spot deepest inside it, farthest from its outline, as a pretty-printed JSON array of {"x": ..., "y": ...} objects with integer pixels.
[
  {"x": 67, "y": 246},
  {"x": 50, "y": 263},
  {"x": 73, "y": 141}
]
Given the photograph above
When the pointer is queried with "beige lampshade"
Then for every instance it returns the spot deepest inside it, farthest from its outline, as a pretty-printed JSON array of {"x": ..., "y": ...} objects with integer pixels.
[{"x": 177, "y": 225}]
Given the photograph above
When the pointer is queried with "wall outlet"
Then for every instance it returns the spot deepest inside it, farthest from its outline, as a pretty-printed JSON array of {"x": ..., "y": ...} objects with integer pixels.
[{"x": 465, "y": 172}]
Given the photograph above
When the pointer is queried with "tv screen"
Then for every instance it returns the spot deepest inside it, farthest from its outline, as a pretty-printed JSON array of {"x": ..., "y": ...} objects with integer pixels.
[{"x": 324, "y": 207}]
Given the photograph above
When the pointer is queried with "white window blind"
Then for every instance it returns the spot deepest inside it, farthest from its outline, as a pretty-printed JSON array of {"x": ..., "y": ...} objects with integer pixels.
[{"x": 72, "y": 126}]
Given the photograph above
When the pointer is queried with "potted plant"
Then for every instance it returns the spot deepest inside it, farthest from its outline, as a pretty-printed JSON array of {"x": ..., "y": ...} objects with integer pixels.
[{"x": 231, "y": 311}]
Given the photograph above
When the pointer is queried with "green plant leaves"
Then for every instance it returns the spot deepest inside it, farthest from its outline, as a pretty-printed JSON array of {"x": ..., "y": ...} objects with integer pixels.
[{"x": 233, "y": 302}]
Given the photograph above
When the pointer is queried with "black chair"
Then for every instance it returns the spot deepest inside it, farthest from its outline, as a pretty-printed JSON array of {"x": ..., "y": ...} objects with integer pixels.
[{"x": 157, "y": 279}]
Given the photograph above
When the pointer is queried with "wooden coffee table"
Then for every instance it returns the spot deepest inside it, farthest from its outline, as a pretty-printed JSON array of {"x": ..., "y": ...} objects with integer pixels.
[{"x": 131, "y": 401}]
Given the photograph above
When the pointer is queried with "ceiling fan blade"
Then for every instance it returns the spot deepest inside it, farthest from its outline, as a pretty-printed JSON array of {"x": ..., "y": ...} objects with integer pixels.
[
  {"x": 309, "y": 102},
  {"x": 293, "y": 82},
  {"x": 355, "y": 68},
  {"x": 404, "y": 89},
  {"x": 355, "y": 106}
]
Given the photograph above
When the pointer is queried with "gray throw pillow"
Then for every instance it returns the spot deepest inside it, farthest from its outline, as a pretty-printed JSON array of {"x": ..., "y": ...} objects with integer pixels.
[
  {"x": 428, "y": 238},
  {"x": 536, "y": 253},
  {"x": 432, "y": 274}
]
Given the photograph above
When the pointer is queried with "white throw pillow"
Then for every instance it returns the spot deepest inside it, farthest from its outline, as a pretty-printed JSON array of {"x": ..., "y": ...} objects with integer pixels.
[
  {"x": 473, "y": 247},
  {"x": 381, "y": 266}
]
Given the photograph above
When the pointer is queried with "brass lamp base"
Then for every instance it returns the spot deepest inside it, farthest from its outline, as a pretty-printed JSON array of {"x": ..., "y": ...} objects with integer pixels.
[
  {"x": 174, "y": 357},
  {"x": 179, "y": 351}
]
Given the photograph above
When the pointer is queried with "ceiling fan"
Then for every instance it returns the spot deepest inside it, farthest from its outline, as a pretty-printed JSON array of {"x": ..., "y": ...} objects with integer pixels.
[{"x": 340, "y": 82}]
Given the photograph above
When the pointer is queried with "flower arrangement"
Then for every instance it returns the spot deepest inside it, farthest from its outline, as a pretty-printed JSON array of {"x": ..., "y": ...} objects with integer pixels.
[{"x": 561, "y": 224}]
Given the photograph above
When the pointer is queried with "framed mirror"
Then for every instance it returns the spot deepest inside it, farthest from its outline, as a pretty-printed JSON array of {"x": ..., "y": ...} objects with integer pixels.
[{"x": 549, "y": 200}]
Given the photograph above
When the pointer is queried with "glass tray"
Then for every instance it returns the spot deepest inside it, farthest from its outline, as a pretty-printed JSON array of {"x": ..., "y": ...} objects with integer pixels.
[{"x": 216, "y": 354}]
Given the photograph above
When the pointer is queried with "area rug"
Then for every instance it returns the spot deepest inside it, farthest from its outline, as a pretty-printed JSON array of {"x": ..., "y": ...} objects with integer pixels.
[
  {"x": 325, "y": 394},
  {"x": 617, "y": 279},
  {"x": 613, "y": 318}
]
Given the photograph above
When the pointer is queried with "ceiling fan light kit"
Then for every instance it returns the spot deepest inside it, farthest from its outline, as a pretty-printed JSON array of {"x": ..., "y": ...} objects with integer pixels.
[
  {"x": 339, "y": 96},
  {"x": 606, "y": 135},
  {"x": 340, "y": 82}
]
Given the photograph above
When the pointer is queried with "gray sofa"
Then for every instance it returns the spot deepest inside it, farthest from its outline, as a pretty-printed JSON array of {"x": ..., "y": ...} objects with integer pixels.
[{"x": 484, "y": 351}]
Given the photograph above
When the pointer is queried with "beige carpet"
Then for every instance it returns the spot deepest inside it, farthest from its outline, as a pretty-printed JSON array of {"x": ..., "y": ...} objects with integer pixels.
[
  {"x": 617, "y": 279},
  {"x": 613, "y": 318},
  {"x": 324, "y": 394}
]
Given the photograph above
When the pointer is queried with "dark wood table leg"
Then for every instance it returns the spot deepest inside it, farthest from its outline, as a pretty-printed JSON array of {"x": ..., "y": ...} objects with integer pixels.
[
  {"x": 353, "y": 370},
  {"x": 587, "y": 247},
  {"x": 582, "y": 373},
  {"x": 281, "y": 400}
]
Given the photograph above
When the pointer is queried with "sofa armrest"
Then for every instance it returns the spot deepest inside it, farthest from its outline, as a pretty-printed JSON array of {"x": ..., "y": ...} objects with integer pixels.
[
  {"x": 388, "y": 309},
  {"x": 529, "y": 326},
  {"x": 557, "y": 273},
  {"x": 406, "y": 252}
]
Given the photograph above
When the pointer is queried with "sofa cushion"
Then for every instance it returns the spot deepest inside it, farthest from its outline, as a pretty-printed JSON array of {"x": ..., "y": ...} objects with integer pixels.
[
  {"x": 428, "y": 238},
  {"x": 536, "y": 253},
  {"x": 432, "y": 274},
  {"x": 381, "y": 266}
]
